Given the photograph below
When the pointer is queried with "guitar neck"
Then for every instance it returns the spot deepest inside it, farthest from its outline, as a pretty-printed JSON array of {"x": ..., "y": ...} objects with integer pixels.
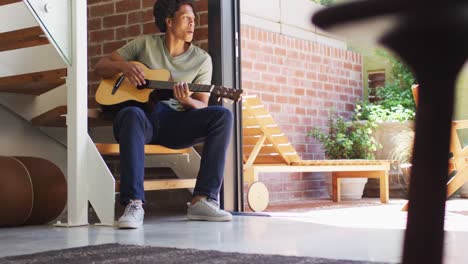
[{"x": 168, "y": 86}]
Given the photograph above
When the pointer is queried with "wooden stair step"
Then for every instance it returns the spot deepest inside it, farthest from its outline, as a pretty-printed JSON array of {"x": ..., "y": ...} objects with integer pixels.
[
  {"x": 164, "y": 184},
  {"x": 35, "y": 83},
  {"x": 113, "y": 149},
  {"x": 56, "y": 117},
  {"x": 7, "y": 2},
  {"x": 22, "y": 38}
]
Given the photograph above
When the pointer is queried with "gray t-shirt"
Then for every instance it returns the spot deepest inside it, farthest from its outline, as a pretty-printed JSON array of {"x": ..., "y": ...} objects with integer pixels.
[{"x": 193, "y": 66}]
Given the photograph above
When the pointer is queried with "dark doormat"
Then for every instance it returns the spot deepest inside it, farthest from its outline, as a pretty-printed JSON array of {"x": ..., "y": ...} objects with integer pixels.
[{"x": 116, "y": 253}]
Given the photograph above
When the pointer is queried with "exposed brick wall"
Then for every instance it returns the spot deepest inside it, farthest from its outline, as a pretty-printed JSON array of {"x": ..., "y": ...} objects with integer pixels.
[
  {"x": 112, "y": 23},
  {"x": 299, "y": 82}
]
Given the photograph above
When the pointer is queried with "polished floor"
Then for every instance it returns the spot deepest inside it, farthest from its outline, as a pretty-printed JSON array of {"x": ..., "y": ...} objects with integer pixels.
[{"x": 366, "y": 230}]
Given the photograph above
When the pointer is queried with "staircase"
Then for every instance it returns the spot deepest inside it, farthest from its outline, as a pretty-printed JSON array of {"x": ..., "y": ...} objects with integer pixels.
[
  {"x": 43, "y": 86},
  {"x": 43, "y": 95}
]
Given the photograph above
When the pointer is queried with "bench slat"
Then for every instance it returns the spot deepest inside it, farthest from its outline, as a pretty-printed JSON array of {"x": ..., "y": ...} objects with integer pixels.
[
  {"x": 267, "y": 150},
  {"x": 252, "y": 140}
]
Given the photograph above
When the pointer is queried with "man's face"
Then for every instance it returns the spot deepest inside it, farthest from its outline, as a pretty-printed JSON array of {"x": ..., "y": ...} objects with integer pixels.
[{"x": 182, "y": 25}]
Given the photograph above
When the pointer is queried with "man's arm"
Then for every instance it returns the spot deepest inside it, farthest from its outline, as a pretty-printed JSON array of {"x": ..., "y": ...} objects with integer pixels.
[{"x": 114, "y": 64}]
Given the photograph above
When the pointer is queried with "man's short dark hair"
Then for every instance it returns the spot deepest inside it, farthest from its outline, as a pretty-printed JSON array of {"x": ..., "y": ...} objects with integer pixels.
[{"x": 166, "y": 9}]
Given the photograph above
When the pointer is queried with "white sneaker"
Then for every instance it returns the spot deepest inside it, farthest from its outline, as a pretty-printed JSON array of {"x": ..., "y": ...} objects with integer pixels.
[
  {"x": 132, "y": 217},
  {"x": 207, "y": 210}
]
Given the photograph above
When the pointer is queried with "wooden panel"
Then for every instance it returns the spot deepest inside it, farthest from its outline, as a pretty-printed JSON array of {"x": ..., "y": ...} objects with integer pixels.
[
  {"x": 358, "y": 174},
  {"x": 50, "y": 189},
  {"x": 269, "y": 149},
  {"x": 327, "y": 168},
  {"x": 113, "y": 149},
  {"x": 257, "y": 111},
  {"x": 259, "y": 121},
  {"x": 22, "y": 38},
  {"x": 16, "y": 192},
  {"x": 251, "y": 101},
  {"x": 341, "y": 162},
  {"x": 252, "y": 140},
  {"x": 261, "y": 159},
  {"x": 258, "y": 131},
  {"x": 7, "y": 2},
  {"x": 168, "y": 184},
  {"x": 57, "y": 118},
  {"x": 460, "y": 124},
  {"x": 35, "y": 83}
]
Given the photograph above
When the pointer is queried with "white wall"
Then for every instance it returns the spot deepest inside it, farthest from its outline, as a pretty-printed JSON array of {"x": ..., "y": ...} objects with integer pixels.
[
  {"x": 287, "y": 17},
  {"x": 19, "y": 138}
]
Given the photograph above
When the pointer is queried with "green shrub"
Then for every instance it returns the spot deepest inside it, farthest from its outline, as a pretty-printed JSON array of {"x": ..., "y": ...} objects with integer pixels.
[
  {"x": 347, "y": 140},
  {"x": 324, "y": 2},
  {"x": 378, "y": 113},
  {"x": 395, "y": 100}
]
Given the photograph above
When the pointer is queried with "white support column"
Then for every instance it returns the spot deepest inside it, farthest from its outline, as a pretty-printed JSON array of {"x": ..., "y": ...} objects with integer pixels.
[
  {"x": 64, "y": 23},
  {"x": 77, "y": 122},
  {"x": 101, "y": 185}
]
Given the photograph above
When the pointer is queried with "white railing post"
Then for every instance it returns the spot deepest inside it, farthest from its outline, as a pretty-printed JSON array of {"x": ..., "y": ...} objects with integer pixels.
[
  {"x": 64, "y": 23},
  {"x": 77, "y": 121}
]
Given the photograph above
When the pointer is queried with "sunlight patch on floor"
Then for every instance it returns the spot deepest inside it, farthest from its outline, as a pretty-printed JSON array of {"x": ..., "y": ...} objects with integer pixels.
[{"x": 387, "y": 216}]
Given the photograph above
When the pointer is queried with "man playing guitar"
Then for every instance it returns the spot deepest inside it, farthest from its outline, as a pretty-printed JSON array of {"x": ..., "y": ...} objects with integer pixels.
[{"x": 179, "y": 122}]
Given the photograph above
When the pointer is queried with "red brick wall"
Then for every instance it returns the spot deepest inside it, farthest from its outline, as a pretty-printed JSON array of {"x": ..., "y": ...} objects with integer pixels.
[
  {"x": 299, "y": 81},
  {"x": 112, "y": 23}
]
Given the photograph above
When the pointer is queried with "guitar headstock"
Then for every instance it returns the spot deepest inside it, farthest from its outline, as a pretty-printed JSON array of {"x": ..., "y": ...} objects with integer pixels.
[{"x": 229, "y": 93}]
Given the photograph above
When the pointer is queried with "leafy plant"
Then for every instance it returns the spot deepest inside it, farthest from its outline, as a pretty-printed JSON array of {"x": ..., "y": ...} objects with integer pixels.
[
  {"x": 401, "y": 74},
  {"x": 324, "y": 2},
  {"x": 380, "y": 112},
  {"x": 347, "y": 140},
  {"x": 395, "y": 99}
]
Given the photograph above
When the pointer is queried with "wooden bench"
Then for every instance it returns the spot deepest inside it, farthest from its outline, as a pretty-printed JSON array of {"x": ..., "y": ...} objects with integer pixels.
[
  {"x": 458, "y": 163},
  {"x": 267, "y": 149}
]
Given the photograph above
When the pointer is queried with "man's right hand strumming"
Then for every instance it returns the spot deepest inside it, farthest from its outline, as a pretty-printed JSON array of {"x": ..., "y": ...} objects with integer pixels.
[{"x": 114, "y": 64}]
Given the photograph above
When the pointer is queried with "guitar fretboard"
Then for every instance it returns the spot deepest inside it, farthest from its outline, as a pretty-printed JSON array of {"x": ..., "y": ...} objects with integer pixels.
[{"x": 168, "y": 85}]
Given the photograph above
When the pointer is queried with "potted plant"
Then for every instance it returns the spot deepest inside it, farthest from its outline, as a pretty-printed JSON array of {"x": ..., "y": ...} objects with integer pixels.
[{"x": 347, "y": 140}]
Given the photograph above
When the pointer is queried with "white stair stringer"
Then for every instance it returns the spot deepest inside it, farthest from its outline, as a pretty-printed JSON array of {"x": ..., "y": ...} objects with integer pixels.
[
  {"x": 101, "y": 185},
  {"x": 185, "y": 166},
  {"x": 54, "y": 17},
  {"x": 27, "y": 60}
]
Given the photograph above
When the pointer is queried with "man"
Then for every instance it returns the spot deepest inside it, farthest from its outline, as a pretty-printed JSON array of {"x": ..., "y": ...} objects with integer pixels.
[{"x": 180, "y": 122}]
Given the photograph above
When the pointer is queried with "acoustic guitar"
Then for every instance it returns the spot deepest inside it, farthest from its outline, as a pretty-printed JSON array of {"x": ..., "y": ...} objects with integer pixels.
[{"x": 117, "y": 92}]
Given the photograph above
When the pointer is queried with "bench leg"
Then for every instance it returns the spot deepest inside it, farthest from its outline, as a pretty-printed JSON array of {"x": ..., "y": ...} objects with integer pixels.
[
  {"x": 336, "y": 188},
  {"x": 249, "y": 175},
  {"x": 384, "y": 187}
]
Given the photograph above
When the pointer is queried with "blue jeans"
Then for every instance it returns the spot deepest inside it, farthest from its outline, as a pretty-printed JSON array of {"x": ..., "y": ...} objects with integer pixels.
[{"x": 133, "y": 128}]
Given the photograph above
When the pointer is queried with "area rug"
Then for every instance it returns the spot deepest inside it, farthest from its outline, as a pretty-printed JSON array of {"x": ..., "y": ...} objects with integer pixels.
[{"x": 116, "y": 253}]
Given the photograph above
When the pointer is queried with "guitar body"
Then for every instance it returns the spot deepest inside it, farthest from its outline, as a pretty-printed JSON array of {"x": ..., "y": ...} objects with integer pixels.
[
  {"x": 117, "y": 92},
  {"x": 127, "y": 94}
]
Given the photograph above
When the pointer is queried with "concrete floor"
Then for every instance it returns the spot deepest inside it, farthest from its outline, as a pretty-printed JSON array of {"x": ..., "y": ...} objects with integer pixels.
[{"x": 368, "y": 231}]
